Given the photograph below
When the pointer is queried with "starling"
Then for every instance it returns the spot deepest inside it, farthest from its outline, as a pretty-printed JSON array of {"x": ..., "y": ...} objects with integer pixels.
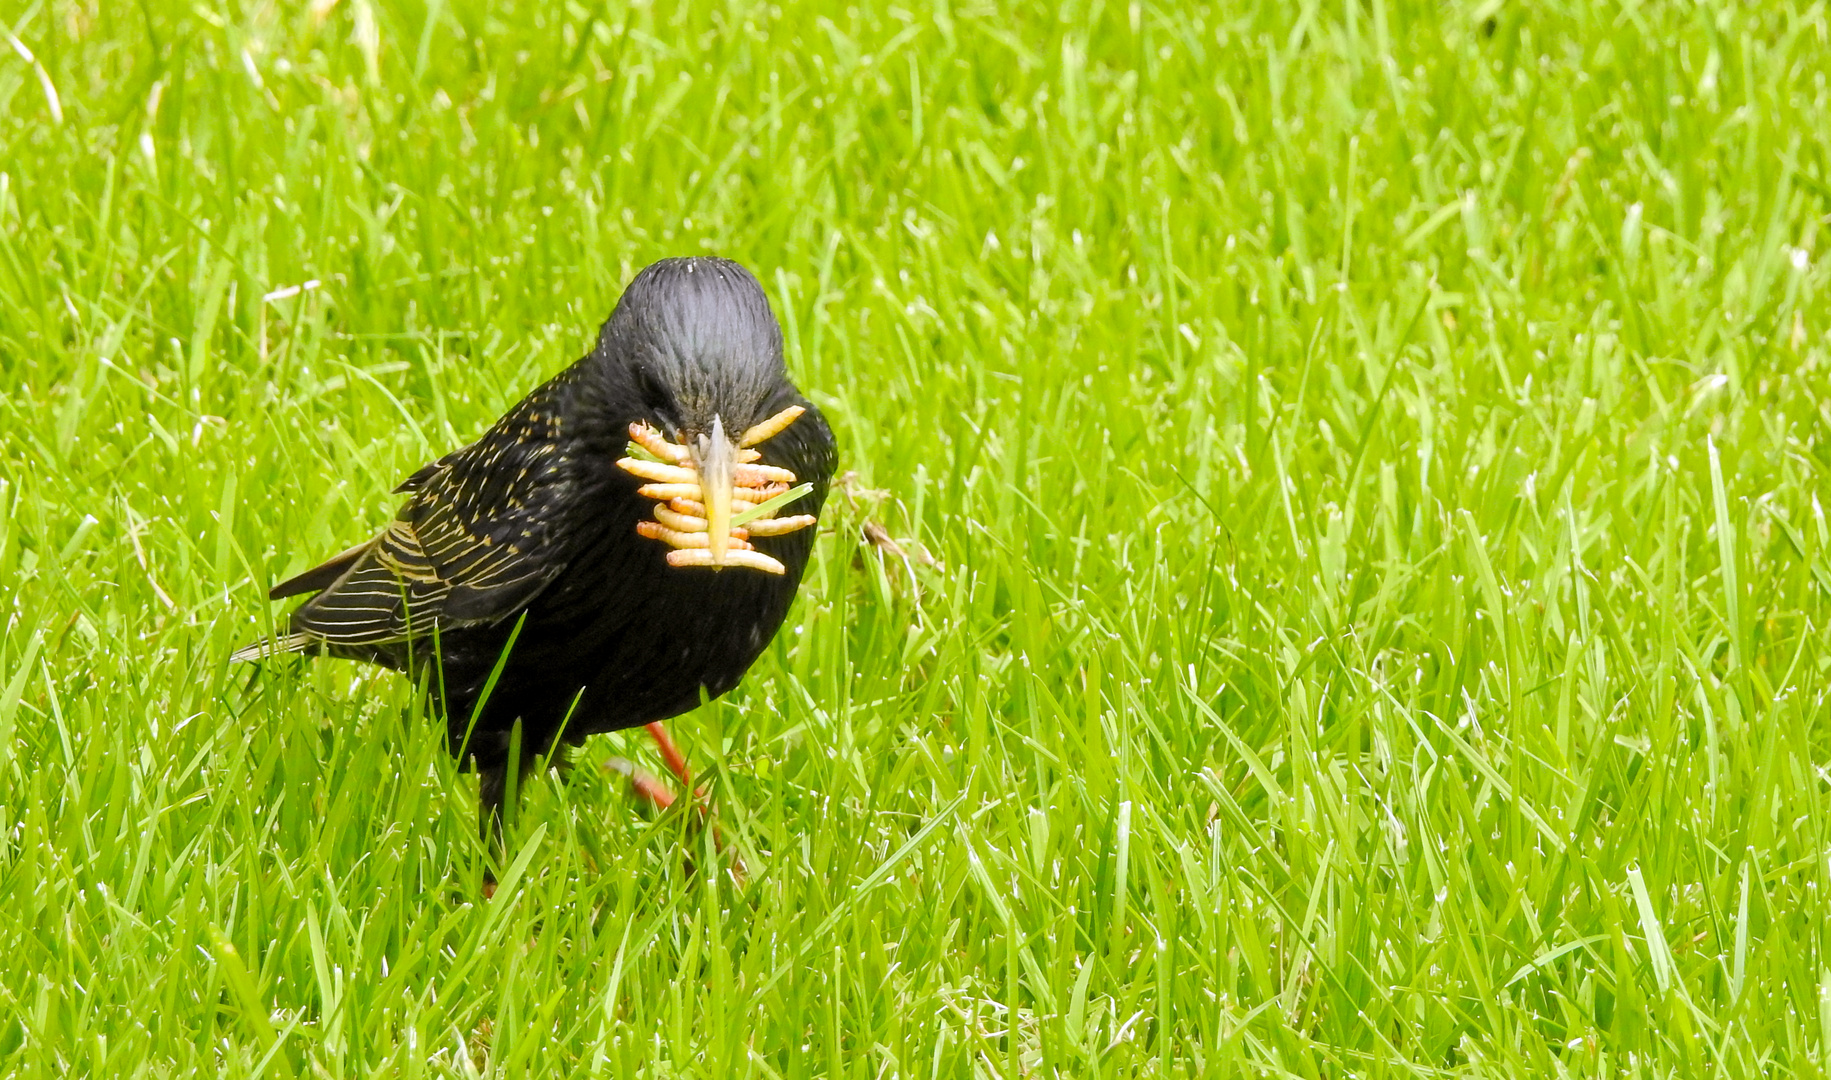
[{"x": 617, "y": 548}]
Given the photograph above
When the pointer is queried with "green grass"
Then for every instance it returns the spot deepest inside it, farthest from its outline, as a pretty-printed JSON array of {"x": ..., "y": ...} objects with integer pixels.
[{"x": 1370, "y": 458}]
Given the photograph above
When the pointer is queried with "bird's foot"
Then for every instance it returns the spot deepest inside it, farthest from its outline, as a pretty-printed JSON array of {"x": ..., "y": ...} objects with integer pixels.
[
  {"x": 650, "y": 789},
  {"x": 644, "y": 785}
]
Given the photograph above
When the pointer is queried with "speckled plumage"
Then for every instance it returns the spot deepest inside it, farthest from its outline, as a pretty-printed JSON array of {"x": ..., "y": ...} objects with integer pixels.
[{"x": 534, "y": 526}]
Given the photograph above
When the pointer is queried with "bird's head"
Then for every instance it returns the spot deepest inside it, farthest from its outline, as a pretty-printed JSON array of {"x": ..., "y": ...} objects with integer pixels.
[
  {"x": 698, "y": 345},
  {"x": 694, "y": 358}
]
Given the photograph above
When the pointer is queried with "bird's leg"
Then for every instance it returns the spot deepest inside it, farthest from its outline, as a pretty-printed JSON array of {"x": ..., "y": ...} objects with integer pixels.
[
  {"x": 677, "y": 764},
  {"x": 652, "y": 791},
  {"x": 646, "y": 787},
  {"x": 671, "y": 755}
]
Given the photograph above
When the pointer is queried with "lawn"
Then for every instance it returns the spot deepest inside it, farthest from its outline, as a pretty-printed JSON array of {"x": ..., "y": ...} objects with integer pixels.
[{"x": 1357, "y": 593}]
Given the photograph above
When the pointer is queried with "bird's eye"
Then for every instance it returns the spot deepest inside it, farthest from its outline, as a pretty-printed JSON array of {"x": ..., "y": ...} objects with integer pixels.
[{"x": 656, "y": 400}]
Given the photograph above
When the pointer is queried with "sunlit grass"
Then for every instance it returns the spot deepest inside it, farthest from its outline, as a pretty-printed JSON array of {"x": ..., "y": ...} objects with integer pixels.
[{"x": 1357, "y": 591}]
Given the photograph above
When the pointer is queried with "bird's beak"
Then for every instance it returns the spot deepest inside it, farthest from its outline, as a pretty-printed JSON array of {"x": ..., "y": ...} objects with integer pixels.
[
  {"x": 715, "y": 455},
  {"x": 701, "y": 483}
]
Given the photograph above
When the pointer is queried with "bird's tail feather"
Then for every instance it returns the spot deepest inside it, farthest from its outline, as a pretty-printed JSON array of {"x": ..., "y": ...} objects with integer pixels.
[{"x": 279, "y": 646}]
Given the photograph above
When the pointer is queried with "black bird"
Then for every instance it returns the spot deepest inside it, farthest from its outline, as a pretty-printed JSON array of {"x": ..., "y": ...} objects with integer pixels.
[{"x": 625, "y": 540}]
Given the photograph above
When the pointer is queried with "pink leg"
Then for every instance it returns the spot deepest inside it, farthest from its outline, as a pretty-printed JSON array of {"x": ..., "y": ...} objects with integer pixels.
[
  {"x": 650, "y": 789},
  {"x": 676, "y": 761}
]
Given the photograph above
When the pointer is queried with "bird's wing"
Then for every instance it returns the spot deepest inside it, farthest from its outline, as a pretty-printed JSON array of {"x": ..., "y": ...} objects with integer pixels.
[
  {"x": 481, "y": 535},
  {"x": 322, "y": 575}
]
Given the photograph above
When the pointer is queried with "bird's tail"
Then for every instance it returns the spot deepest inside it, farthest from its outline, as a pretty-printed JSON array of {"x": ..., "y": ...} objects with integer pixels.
[{"x": 279, "y": 646}]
